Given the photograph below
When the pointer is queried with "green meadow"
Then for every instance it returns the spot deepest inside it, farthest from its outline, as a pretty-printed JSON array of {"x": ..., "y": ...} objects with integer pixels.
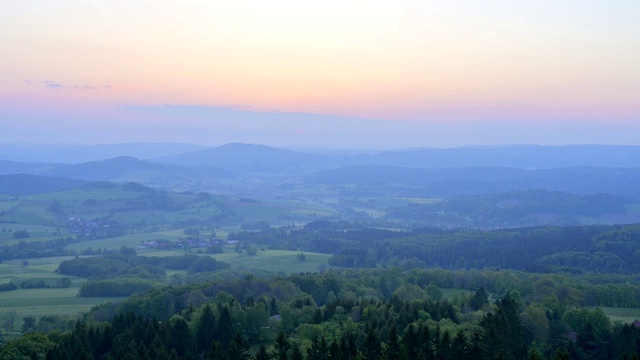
[
  {"x": 64, "y": 301},
  {"x": 46, "y": 302},
  {"x": 277, "y": 211},
  {"x": 277, "y": 261},
  {"x": 623, "y": 315}
]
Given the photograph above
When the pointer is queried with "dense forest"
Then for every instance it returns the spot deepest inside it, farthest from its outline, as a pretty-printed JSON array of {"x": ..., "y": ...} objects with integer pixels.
[
  {"x": 346, "y": 314},
  {"x": 575, "y": 249},
  {"x": 386, "y": 294}
]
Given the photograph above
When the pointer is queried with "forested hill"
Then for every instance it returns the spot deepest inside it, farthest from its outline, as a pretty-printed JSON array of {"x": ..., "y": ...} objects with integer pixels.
[
  {"x": 579, "y": 169},
  {"x": 577, "y": 249},
  {"x": 23, "y": 184},
  {"x": 126, "y": 168},
  {"x": 483, "y": 180},
  {"x": 366, "y": 314},
  {"x": 249, "y": 158},
  {"x": 77, "y": 153},
  {"x": 265, "y": 158},
  {"x": 515, "y": 156}
]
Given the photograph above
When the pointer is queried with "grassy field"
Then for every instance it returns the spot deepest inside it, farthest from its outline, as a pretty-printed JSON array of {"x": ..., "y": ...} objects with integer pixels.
[
  {"x": 275, "y": 260},
  {"x": 7, "y": 205},
  {"x": 624, "y": 315},
  {"x": 269, "y": 260},
  {"x": 29, "y": 213},
  {"x": 47, "y": 302},
  {"x": 451, "y": 293},
  {"x": 42, "y": 302},
  {"x": 40, "y": 268},
  {"x": 275, "y": 211},
  {"x": 423, "y": 201},
  {"x": 36, "y": 232},
  {"x": 80, "y": 195},
  {"x": 64, "y": 301},
  {"x": 129, "y": 240}
]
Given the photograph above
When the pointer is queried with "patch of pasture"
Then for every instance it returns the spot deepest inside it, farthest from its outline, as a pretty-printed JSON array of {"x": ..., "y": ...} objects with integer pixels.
[
  {"x": 314, "y": 213},
  {"x": 423, "y": 201},
  {"x": 224, "y": 231},
  {"x": 162, "y": 253},
  {"x": 278, "y": 210},
  {"x": 27, "y": 213},
  {"x": 268, "y": 260},
  {"x": 47, "y": 302},
  {"x": 371, "y": 212},
  {"x": 128, "y": 240},
  {"x": 451, "y": 293},
  {"x": 7, "y": 205},
  {"x": 275, "y": 261},
  {"x": 156, "y": 216},
  {"x": 623, "y": 315},
  {"x": 36, "y": 232},
  {"x": 79, "y": 195},
  {"x": 149, "y": 217},
  {"x": 14, "y": 271}
]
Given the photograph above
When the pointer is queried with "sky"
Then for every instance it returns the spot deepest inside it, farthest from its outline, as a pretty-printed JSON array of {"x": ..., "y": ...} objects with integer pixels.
[{"x": 321, "y": 74}]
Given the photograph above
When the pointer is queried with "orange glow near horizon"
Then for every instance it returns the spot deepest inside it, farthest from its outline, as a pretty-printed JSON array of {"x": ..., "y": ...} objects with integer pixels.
[{"x": 399, "y": 60}]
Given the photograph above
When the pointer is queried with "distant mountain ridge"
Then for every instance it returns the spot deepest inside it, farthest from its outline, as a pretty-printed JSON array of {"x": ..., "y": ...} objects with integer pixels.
[
  {"x": 577, "y": 168},
  {"x": 477, "y": 180},
  {"x": 250, "y": 158},
  {"x": 515, "y": 156},
  {"x": 126, "y": 168},
  {"x": 13, "y": 167},
  {"x": 266, "y": 158},
  {"x": 76, "y": 153},
  {"x": 108, "y": 169}
]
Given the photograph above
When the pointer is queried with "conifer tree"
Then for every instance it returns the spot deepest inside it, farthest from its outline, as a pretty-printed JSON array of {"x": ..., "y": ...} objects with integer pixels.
[
  {"x": 225, "y": 326},
  {"x": 280, "y": 347},
  {"x": 372, "y": 349},
  {"x": 205, "y": 330},
  {"x": 411, "y": 342},
  {"x": 216, "y": 352},
  {"x": 394, "y": 346},
  {"x": 459, "y": 346},
  {"x": 296, "y": 354},
  {"x": 261, "y": 354},
  {"x": 319, "y": 350},
  {"x": 503, "y": 331},
  {"x": 348, "y": 346},
  {"x": 238, "y": 348},
  {"x": 426, "y": 347}
]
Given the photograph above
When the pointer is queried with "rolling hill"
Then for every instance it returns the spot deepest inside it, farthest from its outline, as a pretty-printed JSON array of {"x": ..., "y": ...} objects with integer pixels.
[{"x": 24, "y": 184}]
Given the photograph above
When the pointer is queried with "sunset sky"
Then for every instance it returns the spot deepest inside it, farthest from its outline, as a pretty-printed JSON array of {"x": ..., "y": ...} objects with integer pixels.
[{"x": 348, "y": 74}]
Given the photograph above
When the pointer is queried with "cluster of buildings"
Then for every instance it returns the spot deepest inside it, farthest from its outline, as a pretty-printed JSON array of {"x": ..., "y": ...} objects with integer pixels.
[{"x": 94, "y": 229}]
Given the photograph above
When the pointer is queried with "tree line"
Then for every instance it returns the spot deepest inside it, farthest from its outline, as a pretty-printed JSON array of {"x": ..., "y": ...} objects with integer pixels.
[
  {"x": 347, "y": 314},
  {"x": 546, "y": 249}
]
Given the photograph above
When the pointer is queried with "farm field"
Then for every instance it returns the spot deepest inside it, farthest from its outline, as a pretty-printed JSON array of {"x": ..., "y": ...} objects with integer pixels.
[
  {"x": 128, "y": 240},
  {"x": 37, "y": 268},
  {"x": 92, "y": 223},
  {"x": 47, "y": 302},
  {"x": 146, "y": 215},
  {"x": 623, "y": 315},
  {"x": 279, "y": 210},
  {"x": 64, "y": 301},
  {"x": 277, "y": 261}
]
